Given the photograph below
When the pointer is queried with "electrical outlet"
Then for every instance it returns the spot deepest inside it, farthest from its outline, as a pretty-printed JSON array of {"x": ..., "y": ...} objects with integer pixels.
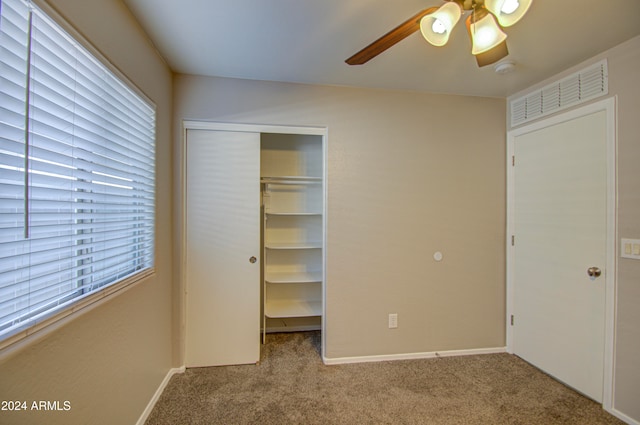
[{"x": 393, "y": 320}]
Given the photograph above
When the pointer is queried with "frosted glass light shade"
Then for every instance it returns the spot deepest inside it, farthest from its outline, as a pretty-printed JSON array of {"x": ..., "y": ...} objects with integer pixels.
[
  {"x": 436, "y": 27},
  {"x": 508, "y": 12},
  {"x": 485, "y": 34}
]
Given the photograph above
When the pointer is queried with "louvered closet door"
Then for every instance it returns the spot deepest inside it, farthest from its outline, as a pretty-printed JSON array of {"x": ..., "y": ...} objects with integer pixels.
[{"x": 222, "y": 236}]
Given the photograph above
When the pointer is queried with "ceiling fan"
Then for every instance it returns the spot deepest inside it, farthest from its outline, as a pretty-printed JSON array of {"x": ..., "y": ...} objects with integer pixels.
[{"x": 488, "y": 41}]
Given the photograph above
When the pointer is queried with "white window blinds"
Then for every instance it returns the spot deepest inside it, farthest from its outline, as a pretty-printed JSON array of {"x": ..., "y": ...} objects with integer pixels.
[{"x": 77, "y": 161}]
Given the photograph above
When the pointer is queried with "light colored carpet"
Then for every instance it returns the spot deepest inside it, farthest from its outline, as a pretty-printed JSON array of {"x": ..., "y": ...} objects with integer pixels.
[{"x": 291, "y": 385}]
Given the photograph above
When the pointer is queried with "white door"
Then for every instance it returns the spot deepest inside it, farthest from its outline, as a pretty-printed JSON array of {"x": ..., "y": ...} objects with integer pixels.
[
  {"x": 560, "y": 229},
  {"x": 222, "y": 248}
]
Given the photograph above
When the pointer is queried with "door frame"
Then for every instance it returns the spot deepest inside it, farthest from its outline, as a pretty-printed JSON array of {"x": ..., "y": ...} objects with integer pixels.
[
  {"x": 609, "y": 106},
  {"x": 246, "y": 128}
]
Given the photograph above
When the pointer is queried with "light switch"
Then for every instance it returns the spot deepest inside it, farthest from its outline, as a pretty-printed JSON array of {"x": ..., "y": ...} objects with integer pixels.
[{"x": 630, "y": 248}]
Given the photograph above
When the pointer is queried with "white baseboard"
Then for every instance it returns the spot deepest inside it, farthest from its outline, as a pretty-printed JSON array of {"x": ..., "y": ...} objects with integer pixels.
[
  {"x": 623, "y": 417},
  {"x": 412, "y": 356},
  {"x": 145, "y": 415}
]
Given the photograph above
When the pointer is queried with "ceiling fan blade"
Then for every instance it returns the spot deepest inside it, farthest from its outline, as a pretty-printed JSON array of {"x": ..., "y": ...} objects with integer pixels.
[{"x": 391, "y": 38}]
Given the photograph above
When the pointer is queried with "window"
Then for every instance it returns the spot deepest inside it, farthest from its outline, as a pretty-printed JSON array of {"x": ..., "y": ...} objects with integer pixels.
[{"x": 77, "y": 161}]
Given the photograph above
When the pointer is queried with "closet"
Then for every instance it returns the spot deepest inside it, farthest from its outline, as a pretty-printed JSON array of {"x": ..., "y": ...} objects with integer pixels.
[
  {"x": 292, "y": 210},
  {"x": 254, "y": 237}
]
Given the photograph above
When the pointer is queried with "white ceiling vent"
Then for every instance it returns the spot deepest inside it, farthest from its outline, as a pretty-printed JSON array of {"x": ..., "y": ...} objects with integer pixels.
[{"x": 577, "y": 88}]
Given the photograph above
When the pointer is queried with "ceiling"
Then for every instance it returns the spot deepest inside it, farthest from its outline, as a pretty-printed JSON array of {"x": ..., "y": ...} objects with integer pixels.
[{"x": 307, "y": 41}]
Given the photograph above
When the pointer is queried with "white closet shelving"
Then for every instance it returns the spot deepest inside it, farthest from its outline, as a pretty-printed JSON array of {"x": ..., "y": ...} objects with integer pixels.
[{"x": 292, "y": 194}]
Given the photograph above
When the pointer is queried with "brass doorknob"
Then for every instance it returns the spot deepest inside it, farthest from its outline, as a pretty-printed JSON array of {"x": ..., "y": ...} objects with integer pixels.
[
  {"x": 594, "y": 272},
  {"x": 253, "y": 260}
]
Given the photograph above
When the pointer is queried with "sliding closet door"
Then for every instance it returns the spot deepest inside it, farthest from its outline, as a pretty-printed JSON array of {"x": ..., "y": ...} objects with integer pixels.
[{"x": 222, "y": 248}]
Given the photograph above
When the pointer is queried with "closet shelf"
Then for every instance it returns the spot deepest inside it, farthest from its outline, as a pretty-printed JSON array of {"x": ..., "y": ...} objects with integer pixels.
[
  {"x": 293, "y": 245},
  {"x": 294, "y": 180},
  {"x": 293, "y": 277},
  {"x": 275, "y": 309},
  {"x": 292, "y": 213}
]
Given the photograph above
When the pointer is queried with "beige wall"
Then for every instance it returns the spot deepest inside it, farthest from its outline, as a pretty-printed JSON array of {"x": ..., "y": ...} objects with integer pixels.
[
  {"x": 409, "y": 174},
  {"x": 108, "y": 362},
  {"x": 623, "y": 64}
]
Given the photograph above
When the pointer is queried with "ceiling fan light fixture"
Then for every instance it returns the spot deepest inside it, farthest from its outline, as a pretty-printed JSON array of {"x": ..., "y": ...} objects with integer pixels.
[
  {"x": 436, "y": 27},
  {"x": 492, "y": 56},
  {"x": 484, "y": 31},
  {"x": 508, "y": 12},
  {"x": 436, "y": 23}
]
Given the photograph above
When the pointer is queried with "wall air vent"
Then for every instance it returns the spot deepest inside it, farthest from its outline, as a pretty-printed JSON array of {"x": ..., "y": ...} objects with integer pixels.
[{"x": 584, "y": 85}]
